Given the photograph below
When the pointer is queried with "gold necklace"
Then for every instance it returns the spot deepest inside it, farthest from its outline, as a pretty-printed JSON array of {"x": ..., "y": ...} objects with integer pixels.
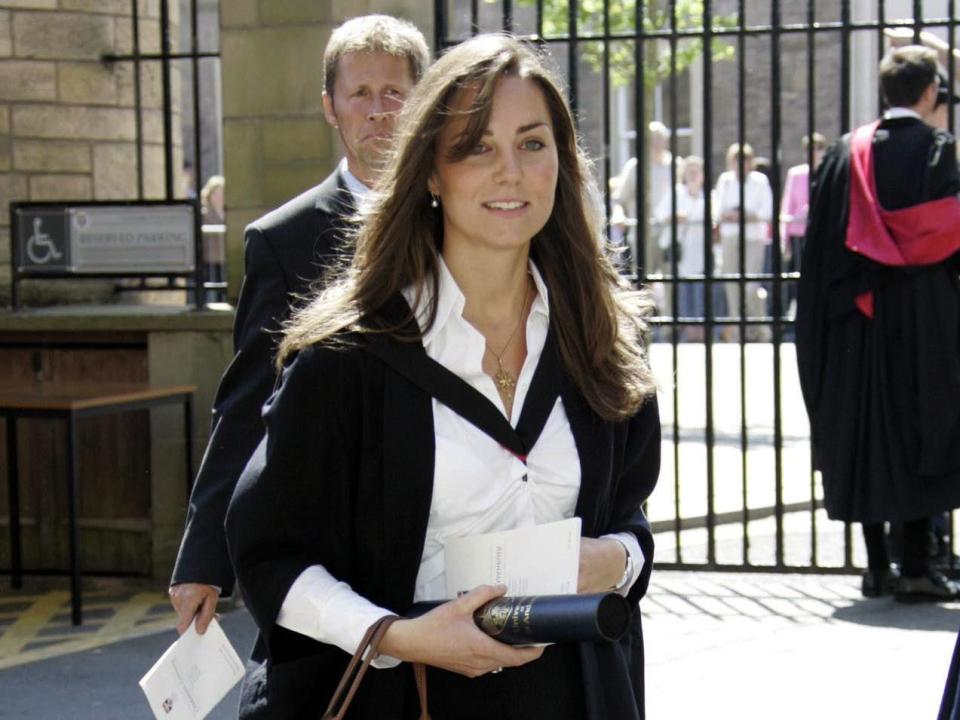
[{"x": 505, "y": 382}]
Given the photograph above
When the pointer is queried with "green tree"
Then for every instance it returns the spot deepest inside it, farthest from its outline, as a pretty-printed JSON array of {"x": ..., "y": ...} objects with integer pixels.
[
  {"x": 657, "y": 17},
  {"x": 622, "y": 21}
]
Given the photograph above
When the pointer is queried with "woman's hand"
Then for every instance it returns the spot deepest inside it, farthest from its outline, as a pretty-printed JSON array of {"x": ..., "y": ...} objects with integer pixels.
[
  {"x": 447, "y": 637},
  {"x": 602, "y": 563}
]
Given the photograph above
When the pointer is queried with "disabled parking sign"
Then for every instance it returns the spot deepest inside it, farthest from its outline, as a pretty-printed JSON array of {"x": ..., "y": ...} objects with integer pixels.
[{"x": 43, "y": 241}]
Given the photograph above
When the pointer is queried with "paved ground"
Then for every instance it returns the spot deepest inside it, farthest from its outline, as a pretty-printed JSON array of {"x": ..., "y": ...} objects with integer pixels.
[
  {"x": 749, "y": 647},
  {"x": 35, "y": 622},
  {"x": 744, "y": 646},
  {"x": 791, "y": 647}
]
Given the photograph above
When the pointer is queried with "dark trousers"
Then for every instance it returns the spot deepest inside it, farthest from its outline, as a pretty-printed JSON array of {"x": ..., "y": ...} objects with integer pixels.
[
  {"x": 915, "y": 559},
  {"x": 550, "y": 688}
]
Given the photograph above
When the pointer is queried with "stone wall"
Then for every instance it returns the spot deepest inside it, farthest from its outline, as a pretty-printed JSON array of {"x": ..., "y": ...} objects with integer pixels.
[
  {"x": 276, "y": 142},
  {"x": 67, "y": 119}
]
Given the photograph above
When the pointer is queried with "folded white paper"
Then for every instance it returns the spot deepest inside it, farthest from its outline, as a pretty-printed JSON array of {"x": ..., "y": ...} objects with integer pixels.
[
  {"x": 536, "y": 560},
  {"x": 193, "y": 675}
]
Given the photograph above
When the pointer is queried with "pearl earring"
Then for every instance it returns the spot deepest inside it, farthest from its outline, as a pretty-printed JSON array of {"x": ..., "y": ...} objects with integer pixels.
[{"x": 434, "y": 201}]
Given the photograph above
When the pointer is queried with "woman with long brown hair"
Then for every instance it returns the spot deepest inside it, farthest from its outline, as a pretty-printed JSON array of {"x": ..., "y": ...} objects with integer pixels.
[{"x": 477, "y": 367}]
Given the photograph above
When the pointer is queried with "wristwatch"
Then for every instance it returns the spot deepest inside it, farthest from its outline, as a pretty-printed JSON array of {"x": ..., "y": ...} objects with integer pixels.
[{"x": 627, "y": 571}]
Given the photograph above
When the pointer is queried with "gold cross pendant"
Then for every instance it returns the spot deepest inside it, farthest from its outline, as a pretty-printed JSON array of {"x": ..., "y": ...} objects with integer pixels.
[{"x": 505, "y": 383}]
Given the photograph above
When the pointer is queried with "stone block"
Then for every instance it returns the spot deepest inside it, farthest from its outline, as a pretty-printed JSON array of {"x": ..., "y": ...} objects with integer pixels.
[
  {"x": 342, "y": 10},
  {"x": 87, "y": 83},
  {"x": 62, "y": 36},
  {"x": 152, "y": 128},
  {"x": 149, "y": 35},
  {"x": 149, "y": 8},
  {"x": 6, "y": 44},
  {"x": 4, "y": 119},
  {"x": 124, "y": 79},
  {"x": 274, "y": 71},
  {"x": 55, "y": 121},
  {"x": 60, "y": 187},
  {"x": 62, "y": 292},
  {"x": 181, "y": 187},
  {"x": 286, "y": 12},
  {"x": 284, "y": 181},
  {"x": 31, "y": 4},
  {"x": 51, "y": 156},
  {"x": 108, "y": 7},
  {"x": 154, "y": 173},
  {"x": 123, "y": 35},
  {"x": 151, "y": 87},
  {"x": 5, "y": 284},
  {"x": 242, "y": 161},
  {"x": 239, "y": 13},
  {"x": 287, "y": 140},
  {"x": 114, "y": 171},
  {"x": 176, "y": 84},
  {"x": 12, "y": 187},
  {"x": 6, "y": 161},
  {"x": 28, "y": 80},
  {"x": 4, "y": 246}
]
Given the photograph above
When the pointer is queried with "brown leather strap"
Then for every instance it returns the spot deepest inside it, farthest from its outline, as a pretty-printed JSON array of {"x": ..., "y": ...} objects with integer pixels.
[
  {"x": 357, "y": 668},
  {"x": 420, "y": 676}
]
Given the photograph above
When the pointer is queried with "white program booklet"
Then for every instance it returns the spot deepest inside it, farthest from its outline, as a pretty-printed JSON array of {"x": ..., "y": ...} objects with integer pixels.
[
  {"x": 536, "y": 560},
  {"x": 193, "y": 675}
]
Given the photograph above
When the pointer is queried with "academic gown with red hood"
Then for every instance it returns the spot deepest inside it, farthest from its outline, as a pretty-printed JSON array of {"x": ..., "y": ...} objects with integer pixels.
[{"x": 878, "y": 323}]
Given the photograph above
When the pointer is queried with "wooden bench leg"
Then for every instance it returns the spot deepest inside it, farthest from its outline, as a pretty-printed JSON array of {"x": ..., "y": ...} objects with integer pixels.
[
  {"x": 73, "y": 495},
  {"x": 13, "y": 487}
]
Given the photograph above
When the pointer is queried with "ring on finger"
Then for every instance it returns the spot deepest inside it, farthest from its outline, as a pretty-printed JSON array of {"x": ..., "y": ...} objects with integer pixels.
[{"x": 498, "y": 670}]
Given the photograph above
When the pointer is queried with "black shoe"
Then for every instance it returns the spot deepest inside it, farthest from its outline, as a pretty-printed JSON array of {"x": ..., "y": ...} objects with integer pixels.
[
  {"x": 932, "y": 587},
  {"x": 947, "y": 564},
  {"x": 878, "y": 583}
]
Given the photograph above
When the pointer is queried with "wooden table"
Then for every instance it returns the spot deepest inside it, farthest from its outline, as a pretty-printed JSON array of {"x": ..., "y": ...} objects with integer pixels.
[{"x": 70, "y": 403}]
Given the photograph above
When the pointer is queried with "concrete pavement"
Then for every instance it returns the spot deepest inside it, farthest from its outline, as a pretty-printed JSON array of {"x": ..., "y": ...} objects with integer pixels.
[
  {"x": 790, "y": 647},
  {"x": 744, "y": 646}
]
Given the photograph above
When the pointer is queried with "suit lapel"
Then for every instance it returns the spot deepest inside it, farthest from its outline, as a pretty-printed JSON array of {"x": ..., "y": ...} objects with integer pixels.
[
  {"x": 334, "y": 198},
  {"x": 335, "y": 206}
]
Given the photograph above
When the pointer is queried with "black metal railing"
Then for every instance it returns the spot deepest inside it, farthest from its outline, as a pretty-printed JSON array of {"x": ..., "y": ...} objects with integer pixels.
[
  {"x": 738, "y": 491},
  {"x": 214, "y": 288}
]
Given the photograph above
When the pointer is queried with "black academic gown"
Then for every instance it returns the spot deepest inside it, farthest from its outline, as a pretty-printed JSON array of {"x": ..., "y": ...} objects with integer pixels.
[
  {"x": 882, "y": 392},
  {"x": 286, "y": 251},
  {"x": 343, "y": 479},
  {"x": 950, "y": 701}
]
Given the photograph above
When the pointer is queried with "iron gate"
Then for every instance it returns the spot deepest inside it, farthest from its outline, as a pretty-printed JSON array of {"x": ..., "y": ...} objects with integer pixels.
[
  {"x": 184, "y": 49},
  {"x": 737, "y": 491}
]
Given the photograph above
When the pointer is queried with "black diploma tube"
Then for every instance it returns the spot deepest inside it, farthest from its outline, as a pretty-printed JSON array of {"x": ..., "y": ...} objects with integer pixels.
[{"x": 527, "y": 620}]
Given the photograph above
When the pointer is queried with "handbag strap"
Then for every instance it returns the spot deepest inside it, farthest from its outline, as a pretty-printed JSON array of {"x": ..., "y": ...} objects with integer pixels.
[{"x": 357, "y": 668}]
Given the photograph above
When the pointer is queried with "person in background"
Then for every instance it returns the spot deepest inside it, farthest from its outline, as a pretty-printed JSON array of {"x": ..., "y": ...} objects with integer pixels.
[
  {"x": 212, "y": 219},
  {"x": 691, "y": 239},
  {"x": 212, "y": 210},
  {"x": 479, "y": 367},
  {"x": 370, "y": 65},
  {"x": 188, "y": 180},
  {"x": 794, "y": 206},
  {"x": 624, "y": 194},
  {"x": 756, "y": 215}
]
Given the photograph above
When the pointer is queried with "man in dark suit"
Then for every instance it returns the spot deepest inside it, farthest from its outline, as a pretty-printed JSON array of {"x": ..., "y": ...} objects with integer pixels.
[
  {"x": 878, "y": 327},
  {"x": 370, "y": 65}
]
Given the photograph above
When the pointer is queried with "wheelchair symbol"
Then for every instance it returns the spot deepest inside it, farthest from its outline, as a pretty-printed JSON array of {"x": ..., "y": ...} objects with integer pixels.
[{"x": 40, "y": 248}]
